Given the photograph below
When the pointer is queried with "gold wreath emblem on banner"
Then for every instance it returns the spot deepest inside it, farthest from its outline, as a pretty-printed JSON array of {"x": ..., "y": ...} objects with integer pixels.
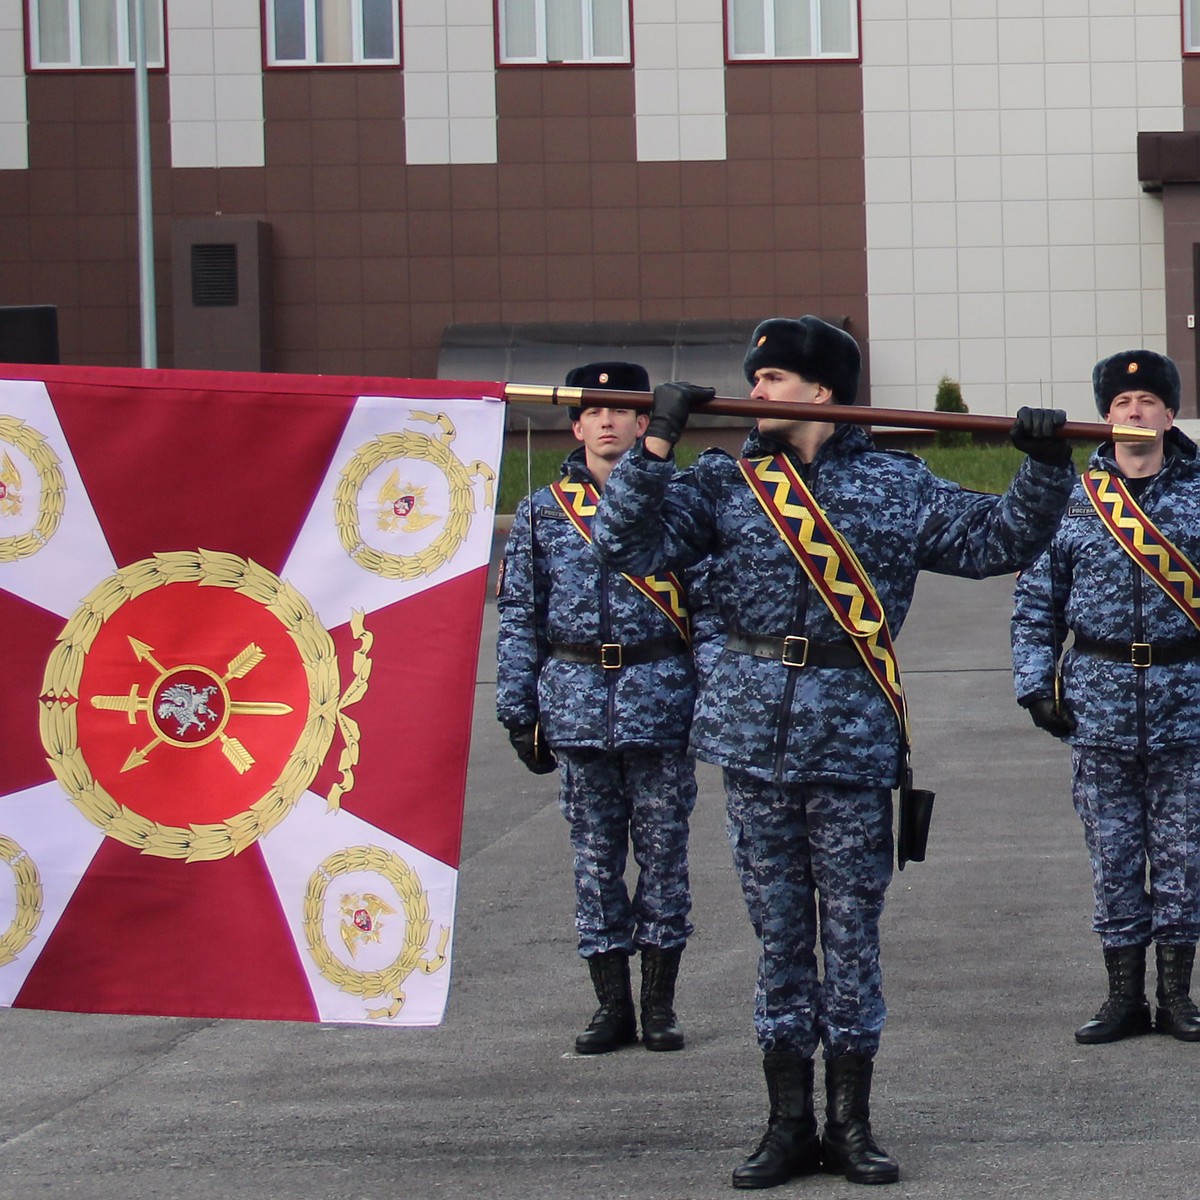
[
  {"x": 52, "y": 488},
  {"x": 189, "y": 691},
  {"x": 365, "y": 921},
  {"x": 402, "y": 506},
  {"x": 29, "y": 900}
]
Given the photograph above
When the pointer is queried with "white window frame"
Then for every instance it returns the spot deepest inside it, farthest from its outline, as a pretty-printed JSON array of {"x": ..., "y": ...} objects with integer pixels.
[
  {"x": 540, "y": 54},
  {"x": 124, "y": 35},
  {"x": 357, "y": 56},
  {"x": 816, "y": 55}
]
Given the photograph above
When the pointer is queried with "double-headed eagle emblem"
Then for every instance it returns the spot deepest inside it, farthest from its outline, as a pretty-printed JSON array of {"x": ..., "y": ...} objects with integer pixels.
[
  {"x": 402, "y": 506},
  {"x": 10, "y": 487},
  {"x": 360, "y": 919}
]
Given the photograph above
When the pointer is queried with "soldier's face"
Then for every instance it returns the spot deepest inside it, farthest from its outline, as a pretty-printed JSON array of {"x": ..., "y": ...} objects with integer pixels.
[
  {"x": 608, "y": 432},
  {"x": 1141, "y": 409},
  {"x": 774, "y": 383}
]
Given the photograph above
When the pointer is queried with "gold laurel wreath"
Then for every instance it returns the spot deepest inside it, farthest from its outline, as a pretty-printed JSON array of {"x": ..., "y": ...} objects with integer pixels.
[
  {"x": 64, "y": 669},
  {"x": 53, "y": 487},
  {"x": 388, "y": 981},
  {"x": 435, "y": 450},
  {"x": 29, "y": 900}
]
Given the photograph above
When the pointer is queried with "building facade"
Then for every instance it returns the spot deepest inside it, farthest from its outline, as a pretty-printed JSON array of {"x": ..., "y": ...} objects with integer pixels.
[{"x": 957, "y": 181}]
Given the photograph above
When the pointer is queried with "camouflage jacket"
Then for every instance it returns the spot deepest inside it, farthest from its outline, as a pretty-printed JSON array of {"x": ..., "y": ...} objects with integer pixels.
[
  {"x": 795, "y": 725},
  {"x": 1087, "y": 584},
  {"x": 553, "y": 589}
]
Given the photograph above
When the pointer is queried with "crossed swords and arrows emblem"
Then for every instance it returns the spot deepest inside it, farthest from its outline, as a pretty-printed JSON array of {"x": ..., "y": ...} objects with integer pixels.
[{"x": 197, "y": 701}]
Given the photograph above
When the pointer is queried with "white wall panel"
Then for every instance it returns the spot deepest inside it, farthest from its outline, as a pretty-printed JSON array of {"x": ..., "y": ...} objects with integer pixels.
[
  {"x": 1044, "y": 99},
  {"x": 679, "y": 80},
  {"x": 14, "y": 133},
  {"x": 449, "y": 81},
  {"x": 215, "y": 84}
]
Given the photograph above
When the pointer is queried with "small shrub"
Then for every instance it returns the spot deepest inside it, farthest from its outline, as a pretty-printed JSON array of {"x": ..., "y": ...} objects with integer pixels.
[{"x": 949, "y": 399}]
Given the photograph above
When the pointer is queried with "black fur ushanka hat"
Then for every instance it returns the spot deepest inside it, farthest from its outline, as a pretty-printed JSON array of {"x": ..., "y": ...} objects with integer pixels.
[
  {"x": 813, "y": 348},
  {"x": 1135, "y": 371}
]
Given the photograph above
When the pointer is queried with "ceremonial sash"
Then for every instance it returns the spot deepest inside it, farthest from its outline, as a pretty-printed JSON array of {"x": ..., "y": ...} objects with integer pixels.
[
  {"x": 831, "y": 566},
  {"x": 1148, "y": 546},
  {"x": 665, "y": 592}
]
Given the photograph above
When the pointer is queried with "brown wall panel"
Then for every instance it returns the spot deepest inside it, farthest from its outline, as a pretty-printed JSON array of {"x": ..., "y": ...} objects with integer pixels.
[
  {"x": 385, "y": 282},
  {"x": 338, "y": 236},
  {"x": 192, "y": 192},
  {"x": 615, "y": 278},
  {"x": 374, "y": 258}
]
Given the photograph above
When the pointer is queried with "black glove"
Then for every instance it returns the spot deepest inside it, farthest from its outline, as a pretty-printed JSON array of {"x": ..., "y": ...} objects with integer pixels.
[
  {"x": 1034, "y": 432},
  {"x": 532, "y": 749},
  {"x": 673, "y": 402},
  {"x": 1056, "y": 719}
]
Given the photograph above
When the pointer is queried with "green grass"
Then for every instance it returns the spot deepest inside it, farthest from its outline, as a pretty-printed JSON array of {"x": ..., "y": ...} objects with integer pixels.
[
  {"x": 544, "y": 468},
  {"x": 983, "y": 468}
]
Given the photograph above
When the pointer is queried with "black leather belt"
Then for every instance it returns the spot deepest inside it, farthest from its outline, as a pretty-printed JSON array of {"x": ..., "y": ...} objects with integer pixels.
[
  {"x": 793, "y": 651},
  {"x": 612, "y": 656},
  {"x": 1141, "y": 654}
]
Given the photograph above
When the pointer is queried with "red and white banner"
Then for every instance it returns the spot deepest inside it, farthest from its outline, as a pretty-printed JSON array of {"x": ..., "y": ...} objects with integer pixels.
[{"x": 239, "y": 619}]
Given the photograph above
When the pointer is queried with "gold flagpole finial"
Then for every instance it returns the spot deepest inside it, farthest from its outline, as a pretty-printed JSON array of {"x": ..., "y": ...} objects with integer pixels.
[{"x": 1133, "y": 433}]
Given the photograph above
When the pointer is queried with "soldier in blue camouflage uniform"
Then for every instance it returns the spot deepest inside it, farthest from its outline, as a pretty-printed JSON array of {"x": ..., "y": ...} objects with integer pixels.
[
  {"x": 1127, "y": 701},
  {"x": 616, "y": 719},
  {"x": 809, "y": 744}
]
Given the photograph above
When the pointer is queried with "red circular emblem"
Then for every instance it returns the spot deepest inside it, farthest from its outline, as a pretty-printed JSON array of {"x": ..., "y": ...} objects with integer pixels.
[
  {"x": 171, "y": 723},
  {"x": 189, "y": 702}
]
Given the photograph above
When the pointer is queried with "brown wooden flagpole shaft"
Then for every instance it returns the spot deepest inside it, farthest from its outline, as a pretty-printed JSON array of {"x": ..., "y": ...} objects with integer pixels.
[{"x": 850, "y": 414}]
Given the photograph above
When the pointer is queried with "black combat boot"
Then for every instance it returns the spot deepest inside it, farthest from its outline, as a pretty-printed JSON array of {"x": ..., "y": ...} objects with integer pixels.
[
  {"x": 1125, "y": 1013},
  {"x": 614, "y": 1024},
  {"x": 790, "y": 1146},
  {"x": 847, "y": 1147},
  {"x": 660, "y": 1031},
  {"x": 1176, "y": 1014}
]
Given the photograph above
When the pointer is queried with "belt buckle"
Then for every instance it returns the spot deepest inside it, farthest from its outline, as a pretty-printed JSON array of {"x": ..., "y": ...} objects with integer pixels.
[
  {"x": 788, "y": 657},
  {"x": 1140, "y": 654},
  {"x": 610, "y": 656}
]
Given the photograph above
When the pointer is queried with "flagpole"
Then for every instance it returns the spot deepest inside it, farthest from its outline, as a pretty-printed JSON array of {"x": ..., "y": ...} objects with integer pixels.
[
  {"x": 145, "y": 198},
  {"x": 741, "y": 406}
]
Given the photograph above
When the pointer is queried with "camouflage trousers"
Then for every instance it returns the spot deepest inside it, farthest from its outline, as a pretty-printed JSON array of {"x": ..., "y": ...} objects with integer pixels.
[
  {"x": 612, "y": 799},
  {"x": 1141, "y": 823},
  {"x": 814, "y": 860}
]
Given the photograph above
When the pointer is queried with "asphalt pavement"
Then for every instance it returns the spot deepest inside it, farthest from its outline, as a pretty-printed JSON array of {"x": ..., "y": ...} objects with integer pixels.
[{"x": 980, "y": 1089}]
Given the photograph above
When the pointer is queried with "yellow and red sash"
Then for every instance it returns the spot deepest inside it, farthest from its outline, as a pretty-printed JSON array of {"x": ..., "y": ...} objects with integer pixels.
[
  {"x": 1147, "y": 545},
  {"x": 665, "y": 592},
  {"x": 831, "y": 566}
]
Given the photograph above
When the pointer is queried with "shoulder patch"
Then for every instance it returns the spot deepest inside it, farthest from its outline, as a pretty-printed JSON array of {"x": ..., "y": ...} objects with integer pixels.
[{"x": 1080, "y": 508}]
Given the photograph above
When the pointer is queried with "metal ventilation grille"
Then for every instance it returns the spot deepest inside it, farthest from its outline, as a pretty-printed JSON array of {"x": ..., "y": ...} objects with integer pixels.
[{"x": 214, "y": 276}]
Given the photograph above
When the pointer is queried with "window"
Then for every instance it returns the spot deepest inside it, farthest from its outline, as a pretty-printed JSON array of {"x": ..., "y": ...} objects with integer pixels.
[
  {"x": 90, "y": 34},
  {"x": 306, "y": 33},
  {"x": 1191, "y": 26},
  {"x": 564, "y": 31},
  {"x": 793, "y": 29}
]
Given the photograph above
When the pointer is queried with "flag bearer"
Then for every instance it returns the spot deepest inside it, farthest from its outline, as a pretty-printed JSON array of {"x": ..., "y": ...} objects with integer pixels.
[
  {"x": 803, "y": 708},
  {"x": 595, "y": 671},
  {"x": 1121, "y": 575}
]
